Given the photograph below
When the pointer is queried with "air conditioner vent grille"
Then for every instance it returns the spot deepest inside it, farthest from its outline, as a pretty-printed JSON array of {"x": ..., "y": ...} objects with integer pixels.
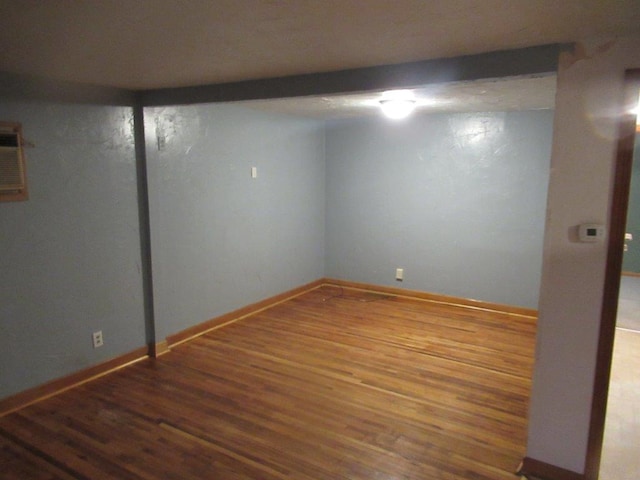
[
  {"x": 13, "y": 185},
  {"x": 11, "y": 177}
]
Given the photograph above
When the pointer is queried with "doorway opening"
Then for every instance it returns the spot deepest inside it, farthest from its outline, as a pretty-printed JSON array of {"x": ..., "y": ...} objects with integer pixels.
[
  {"x": 613, "y": 273},
  {"x": 622, "y": 424}
]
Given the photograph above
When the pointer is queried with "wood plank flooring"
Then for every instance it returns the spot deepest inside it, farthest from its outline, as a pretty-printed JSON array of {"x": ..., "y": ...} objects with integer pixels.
[{"x": 334, "y": 384}]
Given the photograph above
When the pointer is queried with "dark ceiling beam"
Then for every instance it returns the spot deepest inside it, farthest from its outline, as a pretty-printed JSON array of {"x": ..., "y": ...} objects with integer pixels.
[{"x": 538, "y": 60}]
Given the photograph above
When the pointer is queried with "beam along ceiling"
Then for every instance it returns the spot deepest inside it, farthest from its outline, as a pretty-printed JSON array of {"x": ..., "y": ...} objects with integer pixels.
[
  {"x": 493, "y": 95},
  {"x": 145, "y": 44}
]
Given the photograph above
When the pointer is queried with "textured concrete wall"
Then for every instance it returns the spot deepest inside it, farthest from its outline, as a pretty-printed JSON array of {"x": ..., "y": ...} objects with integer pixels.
[
  {"x": 457, "y": 200},
  {"x": 70, "y": 255},
  {"x": 220, "y": 239}
]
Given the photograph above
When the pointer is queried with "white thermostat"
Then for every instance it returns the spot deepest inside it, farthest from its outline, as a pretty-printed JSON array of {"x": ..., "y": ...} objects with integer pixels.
[{"x": 590, "y": 232}]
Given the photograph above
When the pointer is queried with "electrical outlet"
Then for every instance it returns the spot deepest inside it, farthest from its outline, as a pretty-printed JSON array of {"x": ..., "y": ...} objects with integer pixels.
[
  {"x": 399, "y": 274},
  {"x": 97, "y": 339}
]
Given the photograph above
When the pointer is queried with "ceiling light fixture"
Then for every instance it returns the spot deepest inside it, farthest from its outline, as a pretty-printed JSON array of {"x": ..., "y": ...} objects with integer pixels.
[{"x": 397, "y": 104}]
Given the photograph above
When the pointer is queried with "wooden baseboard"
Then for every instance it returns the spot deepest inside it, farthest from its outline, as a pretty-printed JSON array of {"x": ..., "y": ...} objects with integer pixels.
[
  {"x": 432, "y": 297},
  {"x": 54, "y": 387},
  {"x": 207, "y": 326},
  {"x": 631, "y": 274},
  {"x": 158, "y": 349},
  {"x": 33, "y": 395},
  {"x": 218, "y": 322},
  {"x": 545, "y": 471}
]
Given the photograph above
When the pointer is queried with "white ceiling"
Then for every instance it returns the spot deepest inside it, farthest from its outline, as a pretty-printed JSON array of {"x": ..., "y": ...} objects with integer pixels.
[{"x": 144, "y": 44}]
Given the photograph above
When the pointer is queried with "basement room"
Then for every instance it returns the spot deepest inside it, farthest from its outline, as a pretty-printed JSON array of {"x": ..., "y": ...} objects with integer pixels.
[{"x": 242, "y": 254}]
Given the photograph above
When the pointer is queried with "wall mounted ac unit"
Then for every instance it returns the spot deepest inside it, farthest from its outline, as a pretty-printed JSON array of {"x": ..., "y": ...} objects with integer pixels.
[{"x": 13, "y": 177}]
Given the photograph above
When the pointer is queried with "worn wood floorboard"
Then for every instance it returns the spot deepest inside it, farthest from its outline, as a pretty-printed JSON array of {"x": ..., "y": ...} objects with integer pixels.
[{"x": 334, "y": 384}]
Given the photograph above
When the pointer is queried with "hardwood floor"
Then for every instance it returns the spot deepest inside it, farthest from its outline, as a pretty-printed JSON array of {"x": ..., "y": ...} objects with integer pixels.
[{"x": 334, "y": 384}]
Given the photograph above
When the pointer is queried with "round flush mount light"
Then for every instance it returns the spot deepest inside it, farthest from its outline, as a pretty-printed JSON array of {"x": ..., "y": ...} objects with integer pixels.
[{"x": 397, "y": 104}]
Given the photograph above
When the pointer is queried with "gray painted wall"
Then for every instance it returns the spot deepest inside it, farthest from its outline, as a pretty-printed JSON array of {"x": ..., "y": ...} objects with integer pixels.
[
  {"x": 456, "y": 200},
  {"x": 219, "y": 239},
  {"x": 631, "y": 260},
  {"x": 70, "y": 255}
]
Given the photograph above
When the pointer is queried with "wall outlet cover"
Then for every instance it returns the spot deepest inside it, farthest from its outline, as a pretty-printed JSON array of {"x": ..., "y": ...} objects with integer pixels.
[{"x": 98, "y": 341}]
